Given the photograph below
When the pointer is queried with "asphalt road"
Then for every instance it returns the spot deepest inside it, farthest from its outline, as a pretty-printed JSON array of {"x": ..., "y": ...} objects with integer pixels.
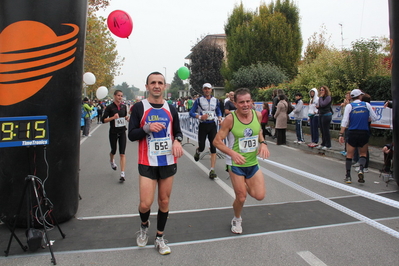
[{"x": 308, "y": 217}]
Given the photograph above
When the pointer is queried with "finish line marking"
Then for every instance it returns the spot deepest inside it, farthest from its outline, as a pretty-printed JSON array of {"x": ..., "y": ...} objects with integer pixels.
[{"x": 233, "y": 237}]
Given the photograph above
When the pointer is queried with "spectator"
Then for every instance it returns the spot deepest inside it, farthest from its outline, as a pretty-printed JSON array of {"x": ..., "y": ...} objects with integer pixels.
[
  {"x": 265, "y": 119},
  {"x": 298, "y": 118},
  {"x": 313, "y": 116},
  {"x": 325, "y": 117},
  {"x": 229, "y": 105},
  {"x": 347, "y": 100},
  {"x": 87, "y": 107},
  {"x": 281, "y": 120}
]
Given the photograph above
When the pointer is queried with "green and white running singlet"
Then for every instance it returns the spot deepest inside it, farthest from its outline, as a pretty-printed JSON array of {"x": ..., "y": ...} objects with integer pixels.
[{"x": 246, "y": 139}]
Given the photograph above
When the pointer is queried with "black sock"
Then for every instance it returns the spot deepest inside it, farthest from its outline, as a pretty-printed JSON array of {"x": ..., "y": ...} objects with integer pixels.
[
  {"x": 161, "y": 220},
  {"x": 348, "y": 165},
  {"x": 144, "y": 218}
]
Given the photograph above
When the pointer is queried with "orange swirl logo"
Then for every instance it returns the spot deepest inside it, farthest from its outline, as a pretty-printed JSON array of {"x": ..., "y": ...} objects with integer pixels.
[{"x": 30, "y": 52}]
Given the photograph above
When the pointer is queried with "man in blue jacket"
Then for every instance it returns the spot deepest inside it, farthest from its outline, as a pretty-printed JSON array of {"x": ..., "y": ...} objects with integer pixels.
[{"x": 206, "y": 108}]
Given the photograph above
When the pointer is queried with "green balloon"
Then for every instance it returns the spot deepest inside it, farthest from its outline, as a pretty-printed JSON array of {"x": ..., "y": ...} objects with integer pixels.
[{"x": 183, "y": 73}]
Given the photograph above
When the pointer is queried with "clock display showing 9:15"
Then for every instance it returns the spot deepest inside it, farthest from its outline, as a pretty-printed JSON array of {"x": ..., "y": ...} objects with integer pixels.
[{"x": 23, "y": 131}]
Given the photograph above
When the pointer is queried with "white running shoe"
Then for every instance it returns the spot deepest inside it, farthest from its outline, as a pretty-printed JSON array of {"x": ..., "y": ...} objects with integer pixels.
[
  {"x": 160, "y": 244},
  {"x": 114, "y": 166},
  {"x": 300, "y": 142},
  {"x": 236, "y": 225},
  {"x": 319, "y": 147},
  {"x": 142, "y": 235},
  {"x": 365, "y": 170}
]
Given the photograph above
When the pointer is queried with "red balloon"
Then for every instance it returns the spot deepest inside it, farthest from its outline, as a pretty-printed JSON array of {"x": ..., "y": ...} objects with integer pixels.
[{"x": 120, "y": 23}]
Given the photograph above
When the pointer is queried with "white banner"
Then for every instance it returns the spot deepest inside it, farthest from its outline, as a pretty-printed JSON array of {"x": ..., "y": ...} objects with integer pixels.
[
  {"x": 384, "y": 115},
  {"x": 189, "y": 126}
]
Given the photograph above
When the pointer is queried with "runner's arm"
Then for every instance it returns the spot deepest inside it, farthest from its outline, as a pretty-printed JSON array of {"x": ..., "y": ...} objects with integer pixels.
[{"x": 135, "y": 131}]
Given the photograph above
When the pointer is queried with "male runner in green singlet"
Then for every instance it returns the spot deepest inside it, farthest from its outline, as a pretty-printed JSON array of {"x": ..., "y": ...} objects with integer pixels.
[{"x": 246, "y": 144}]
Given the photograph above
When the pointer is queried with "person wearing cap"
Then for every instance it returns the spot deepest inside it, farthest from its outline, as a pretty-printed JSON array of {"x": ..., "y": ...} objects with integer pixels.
[
  {"x": 87, "y": 107},
  {"x": 356, "y": 118},
  {"x": 207, "y": 108}
]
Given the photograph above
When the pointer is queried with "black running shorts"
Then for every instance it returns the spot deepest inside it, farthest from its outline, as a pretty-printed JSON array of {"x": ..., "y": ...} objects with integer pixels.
[
  {"x": 157, "y": 172},
  {"x": 358, "y": 138}
]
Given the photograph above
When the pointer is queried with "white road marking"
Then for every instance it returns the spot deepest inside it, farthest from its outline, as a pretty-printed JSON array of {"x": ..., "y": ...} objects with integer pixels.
[
  {"x": 218, "y": 181},
  {"x": 310, "y": 258},
  {"x": 332, "y": 183},
  {"x": 92, "y": 131},
  {"x": 233, "y": 237},
  {"x": 333, "y": 204}
]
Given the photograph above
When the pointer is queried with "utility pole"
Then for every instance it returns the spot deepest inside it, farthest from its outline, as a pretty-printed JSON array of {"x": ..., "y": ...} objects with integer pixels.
[{"x": 166, "y": 85}]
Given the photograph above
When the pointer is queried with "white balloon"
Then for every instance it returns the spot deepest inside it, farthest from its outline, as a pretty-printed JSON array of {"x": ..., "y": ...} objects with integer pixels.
[
  {"x": 89, "y": 78},
  {"x": 101, "y": 92}
]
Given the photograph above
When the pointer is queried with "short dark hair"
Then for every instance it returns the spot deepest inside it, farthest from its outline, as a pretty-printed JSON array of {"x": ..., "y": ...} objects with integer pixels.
[
  {"x": 116, "y": 92},
  {"x": 298, "y": 94},
  {"x": 155, "y": 73},
  {"x": 241, "y": 91}
]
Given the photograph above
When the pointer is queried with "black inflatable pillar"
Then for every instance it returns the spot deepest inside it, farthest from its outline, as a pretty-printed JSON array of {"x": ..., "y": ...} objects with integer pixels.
[{"x": 41, "y": 70}]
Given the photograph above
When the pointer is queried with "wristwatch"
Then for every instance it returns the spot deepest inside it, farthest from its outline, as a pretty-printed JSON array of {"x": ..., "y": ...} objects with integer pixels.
[
  {"x": 264, "y": 142},
  {"x": 179, "y": 139}
]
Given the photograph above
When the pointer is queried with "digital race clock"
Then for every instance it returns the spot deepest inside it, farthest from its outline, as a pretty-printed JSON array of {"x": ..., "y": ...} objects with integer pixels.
[{"x": 23, "y": 131}]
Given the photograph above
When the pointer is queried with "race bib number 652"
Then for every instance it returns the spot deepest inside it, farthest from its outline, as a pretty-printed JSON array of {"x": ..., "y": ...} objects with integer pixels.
[{"x": 160, "y": 146}]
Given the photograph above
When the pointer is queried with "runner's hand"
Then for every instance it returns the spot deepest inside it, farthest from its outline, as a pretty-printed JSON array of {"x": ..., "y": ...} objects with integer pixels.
[
  {"x": 177, "y": 149},
  {"x": 156, "y": 127},
  {"x": 238, "y": 158},
  {"x": 263, "y": 151}
]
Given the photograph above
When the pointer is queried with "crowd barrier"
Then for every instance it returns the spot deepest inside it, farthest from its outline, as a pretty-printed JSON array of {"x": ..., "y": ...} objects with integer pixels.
[
  {"x": 384, "y": 115},
  {"x": 189, "y": 125}
]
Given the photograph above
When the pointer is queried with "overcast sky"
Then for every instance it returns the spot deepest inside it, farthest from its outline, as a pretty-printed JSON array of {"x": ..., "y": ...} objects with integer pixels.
[{"x": 165, "y": 31}]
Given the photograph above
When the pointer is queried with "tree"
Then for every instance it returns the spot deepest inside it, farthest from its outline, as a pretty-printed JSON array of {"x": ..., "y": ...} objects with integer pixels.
[
  {"x": 101, "y": 57},
  {"x": 258, "y": 76},
  {"x": 206, "y": 62},
  {"x": 270, "y": 35},
  {"x": 316, "y": 44},
  {"x": 175, "y": 86}
]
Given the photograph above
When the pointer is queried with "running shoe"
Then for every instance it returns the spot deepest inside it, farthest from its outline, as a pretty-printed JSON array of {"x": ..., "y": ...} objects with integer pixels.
[
  {"x": 343, "y": 153},
  {"x": 196, "y": 155},
  {"x": 356, "y": 164},
  {"x": 300, "y": 142},
  {"x": 319, "y": 147},
  {"x": 236, "y": 225},
  {"x": 365, "y": 170},
  {"x": 325, "y": 148},
  {"x": 160, "y": 244},
  {"x": 295, "y": 141},
  {"x": 312, "y": 145},
  {"x": 360, "y": 174},
  {"x": 142, "y": 235},
  {"x": 114, "y": 166},
  {"x": 348, "y": 180},
  {"x": 212, "y": 174},
  {"x": 122, "y": 179}
]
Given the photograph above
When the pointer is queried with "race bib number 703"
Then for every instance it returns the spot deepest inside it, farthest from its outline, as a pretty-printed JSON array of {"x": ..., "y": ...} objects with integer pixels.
[{"x": 248, "y": 144}]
